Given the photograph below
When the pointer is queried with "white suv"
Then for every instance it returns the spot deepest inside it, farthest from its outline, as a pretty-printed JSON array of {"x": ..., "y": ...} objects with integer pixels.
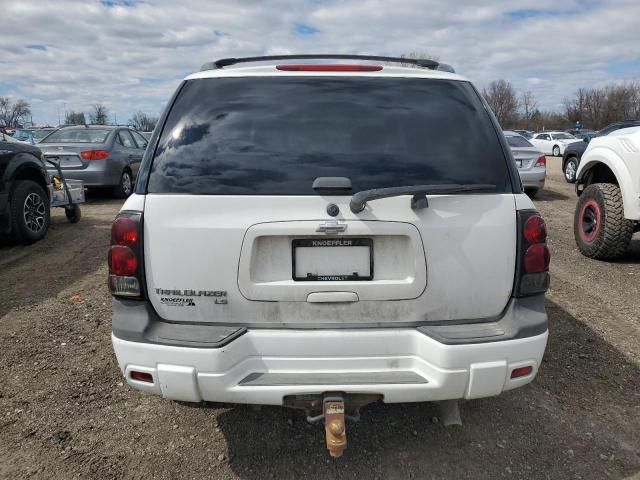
[{"x": 307, "y": 231}]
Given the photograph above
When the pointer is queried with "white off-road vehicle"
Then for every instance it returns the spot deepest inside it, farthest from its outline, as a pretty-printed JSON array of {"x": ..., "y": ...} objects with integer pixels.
[
  {"x": 608, "y": 184},
  {"x": 321, "y": 236}
]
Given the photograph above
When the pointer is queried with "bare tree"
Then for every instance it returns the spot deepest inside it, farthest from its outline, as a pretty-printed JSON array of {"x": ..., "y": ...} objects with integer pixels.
[
  {"x": 501, "y": 97},
  {"x": 528, "y": 106},
  {"x": 99, "y": 114},
  {"x": 597, "y": 107},
  {"x": 12, "y": 113},
  {"x": 419, "y": 56},
  {"x": 74, "y": 118},
  {"x": 142, "y": 121}
]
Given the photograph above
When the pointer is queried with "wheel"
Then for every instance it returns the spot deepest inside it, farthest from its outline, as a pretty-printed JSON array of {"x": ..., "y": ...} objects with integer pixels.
[
  {"x": 73, "y": 213},
  {"x": 125, "y": 187},
  {"x": 570, "y": 169},
  {"x": 556, "y": 151},
  {"x": 599, "y": 226},
  {"x": 29, "y": 212}
]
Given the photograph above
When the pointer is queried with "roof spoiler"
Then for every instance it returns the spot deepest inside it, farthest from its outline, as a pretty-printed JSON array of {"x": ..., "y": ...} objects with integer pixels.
[{"x": 418, "y": 62}]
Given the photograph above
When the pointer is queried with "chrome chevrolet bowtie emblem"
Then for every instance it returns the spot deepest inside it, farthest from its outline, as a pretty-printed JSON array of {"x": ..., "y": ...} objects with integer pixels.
[{"x": 331, "y": 226}]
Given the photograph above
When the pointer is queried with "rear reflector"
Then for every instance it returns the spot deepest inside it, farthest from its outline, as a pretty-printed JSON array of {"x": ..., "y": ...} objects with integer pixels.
[
  {"x": 145, "y": 377},
  {"x": 95, "y": 154},
  {"x": 521, "y": 372},
  {"x": 329, "y": 68}
]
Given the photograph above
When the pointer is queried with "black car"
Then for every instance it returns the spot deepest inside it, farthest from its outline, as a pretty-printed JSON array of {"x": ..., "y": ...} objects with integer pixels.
[
  {"x": 24, "y": 197},
  {"x": 573, "y": 152}
]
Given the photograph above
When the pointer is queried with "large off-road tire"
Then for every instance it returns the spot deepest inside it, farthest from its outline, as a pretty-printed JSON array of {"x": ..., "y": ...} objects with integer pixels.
[
  {"x": 30, "y": 218},
  {"x": 125, "y": 186},
  {"x": 599, "y": 226}
]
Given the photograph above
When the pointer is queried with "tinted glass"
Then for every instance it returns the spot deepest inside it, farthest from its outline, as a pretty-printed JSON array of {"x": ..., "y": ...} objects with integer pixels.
[
  {"x": 518, "y": 141},
  {"x": 79, "y": 135},
  {"x": 274, "y": 136}
]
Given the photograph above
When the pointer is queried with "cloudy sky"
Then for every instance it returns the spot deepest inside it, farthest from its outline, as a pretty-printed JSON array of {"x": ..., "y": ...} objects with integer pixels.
[{"x": 131, "y": 54}]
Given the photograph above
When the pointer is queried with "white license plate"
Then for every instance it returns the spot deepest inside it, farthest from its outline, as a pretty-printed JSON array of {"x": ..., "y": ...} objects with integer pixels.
[
  {"x": 332, "y": 259},
  {"x": 67, "y": 161}
]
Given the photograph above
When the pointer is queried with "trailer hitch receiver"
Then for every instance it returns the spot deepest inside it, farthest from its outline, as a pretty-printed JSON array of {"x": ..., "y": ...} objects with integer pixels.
[{"x": 335, "y": 427}]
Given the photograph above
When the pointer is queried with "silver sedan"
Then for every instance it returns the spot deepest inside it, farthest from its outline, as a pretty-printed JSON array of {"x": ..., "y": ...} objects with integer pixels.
[
  {"x": 531, "y": 162},
  {"x": 100, "y": 156}
]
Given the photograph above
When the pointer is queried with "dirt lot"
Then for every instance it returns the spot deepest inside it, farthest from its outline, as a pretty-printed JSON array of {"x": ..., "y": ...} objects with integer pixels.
[{"x": 65, "y": 413}]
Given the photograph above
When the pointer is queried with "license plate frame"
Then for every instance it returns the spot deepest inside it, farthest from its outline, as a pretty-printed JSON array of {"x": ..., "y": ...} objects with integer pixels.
[
  {"x": 66, "y": 161},
  {"x": 329, "y": 243}
]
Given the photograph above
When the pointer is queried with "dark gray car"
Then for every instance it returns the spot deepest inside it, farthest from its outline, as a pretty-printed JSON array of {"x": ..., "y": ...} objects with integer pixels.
[{"x": 100, "y": 156}]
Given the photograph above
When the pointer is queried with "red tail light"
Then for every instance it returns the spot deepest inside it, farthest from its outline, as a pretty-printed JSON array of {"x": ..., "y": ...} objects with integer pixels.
[
  {"x": 125, "y": 256},
  {"x": 122, "y": 261},
  {"x": 535, "y": 230},
  {"x": 329, "y": 68},
  {"x": 124, "y": 231},
  {"x": 95, "y": 154},
  {"x": 536, "y": 258},
  {"x": 541, "y": 162},
  {"x": 532, "y": 270}
]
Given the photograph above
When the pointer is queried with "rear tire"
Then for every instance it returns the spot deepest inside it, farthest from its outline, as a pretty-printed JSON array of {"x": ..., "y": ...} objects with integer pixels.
[
  {"x": 570, "y": 169},
  {"x": 556, "y": 151},
  {"x": 599, "y": 226},
  {"x": 125, "y": 186},
  {"x": 30, "y": 212}
]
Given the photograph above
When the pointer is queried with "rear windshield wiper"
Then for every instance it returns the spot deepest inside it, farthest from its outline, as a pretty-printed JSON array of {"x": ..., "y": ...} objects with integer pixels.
[{"x": 419, "y": 192}]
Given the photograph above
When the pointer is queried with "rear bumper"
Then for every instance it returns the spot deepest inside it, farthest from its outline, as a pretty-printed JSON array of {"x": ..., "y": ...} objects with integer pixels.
[
  {"x": 262, "y": 366},
  {"x": 533, "y": 178},
  {"x": 101, "y": 173}
]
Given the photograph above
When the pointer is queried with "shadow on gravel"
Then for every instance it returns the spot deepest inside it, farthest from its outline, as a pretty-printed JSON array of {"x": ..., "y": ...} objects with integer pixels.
[
  {"x": 577, "y": 420},
  {"x": 548, "y": 195}
]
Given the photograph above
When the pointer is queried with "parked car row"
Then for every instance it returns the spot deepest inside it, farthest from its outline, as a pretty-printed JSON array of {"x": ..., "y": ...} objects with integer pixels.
[
  {"x": 99, "y": 155},
  {"x": 573, "y": 153}
]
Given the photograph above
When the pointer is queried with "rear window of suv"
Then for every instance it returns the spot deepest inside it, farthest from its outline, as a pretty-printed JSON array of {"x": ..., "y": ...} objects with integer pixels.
[{"x": 275, "y": 136}]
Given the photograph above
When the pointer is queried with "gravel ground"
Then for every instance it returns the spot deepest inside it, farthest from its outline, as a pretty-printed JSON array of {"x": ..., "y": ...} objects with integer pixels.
[{"x": 65, "y": 413}]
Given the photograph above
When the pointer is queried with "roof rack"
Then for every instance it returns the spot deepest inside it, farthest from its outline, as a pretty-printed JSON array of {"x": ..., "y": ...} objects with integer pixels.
[{"x": 419, "y": 62}]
